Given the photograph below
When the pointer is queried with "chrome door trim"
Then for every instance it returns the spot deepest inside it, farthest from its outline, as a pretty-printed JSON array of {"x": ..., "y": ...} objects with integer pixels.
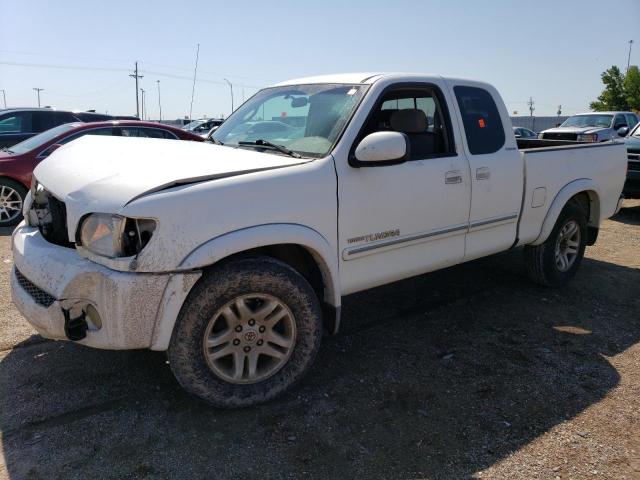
[
  {"x": 482, "y": 223},
  {"x": 349, "y": 253}
]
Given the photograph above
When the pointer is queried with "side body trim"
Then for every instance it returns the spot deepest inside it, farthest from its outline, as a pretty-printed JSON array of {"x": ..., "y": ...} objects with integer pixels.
[{"x": 355, "y": 252}]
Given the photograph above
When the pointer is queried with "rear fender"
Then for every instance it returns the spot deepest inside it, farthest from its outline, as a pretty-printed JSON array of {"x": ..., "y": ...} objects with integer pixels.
[{"x": 585, "y": 185}]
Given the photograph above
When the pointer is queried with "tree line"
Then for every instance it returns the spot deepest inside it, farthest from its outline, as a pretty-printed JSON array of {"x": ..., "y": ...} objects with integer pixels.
[{"x": 621, "y": 92}]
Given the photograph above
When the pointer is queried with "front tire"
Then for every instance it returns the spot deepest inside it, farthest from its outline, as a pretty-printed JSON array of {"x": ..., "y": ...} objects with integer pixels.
[
  {"x": 555, "y": 262},
  {"x": 12, "y": 195},
  {"x": 247, "y": 332}
]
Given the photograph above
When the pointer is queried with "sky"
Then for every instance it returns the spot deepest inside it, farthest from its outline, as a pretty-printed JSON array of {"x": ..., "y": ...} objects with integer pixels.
[{"x": 82, "y": 52}]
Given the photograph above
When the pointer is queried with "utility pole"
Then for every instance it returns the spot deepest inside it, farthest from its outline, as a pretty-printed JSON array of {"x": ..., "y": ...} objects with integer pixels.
[
  {"x": 4, "y": 97},
  {"x": 38, "y": 90},
  {"x": 629, "y": 57},
  {"x": 231, "y": 87},
  {"x": 159, "y": 104},
  {"x": 136, "y": 76},
  {"x": 142, "y": 91},
  {"x": 193, "y": 89},
  {"x": 559, "y": 113},
  {"x": 531, "y": 109}
]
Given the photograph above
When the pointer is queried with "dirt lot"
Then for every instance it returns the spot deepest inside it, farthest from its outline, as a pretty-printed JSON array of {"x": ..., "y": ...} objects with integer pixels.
[{"x": 469, "y": 372}]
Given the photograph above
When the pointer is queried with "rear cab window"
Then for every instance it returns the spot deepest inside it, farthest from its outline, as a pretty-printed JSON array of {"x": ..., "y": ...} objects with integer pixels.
[{"x": 481, "y": 120}]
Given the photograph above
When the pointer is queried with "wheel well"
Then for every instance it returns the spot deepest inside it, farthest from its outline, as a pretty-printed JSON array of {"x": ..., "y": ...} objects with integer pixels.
[
  {"x": 302, "y": 260},
  {"x": 589, "y": 203},
  {"x": 5, "y": 177}
]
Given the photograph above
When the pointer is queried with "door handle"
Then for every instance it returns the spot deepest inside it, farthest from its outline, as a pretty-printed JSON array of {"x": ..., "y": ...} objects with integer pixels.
[
  {"x": 453, "y": 176},
  {"x": 483, "y": 173}
]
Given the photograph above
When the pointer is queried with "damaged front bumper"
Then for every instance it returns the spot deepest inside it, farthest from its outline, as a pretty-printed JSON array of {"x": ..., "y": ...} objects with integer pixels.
[{"x": 65, "y": 296}]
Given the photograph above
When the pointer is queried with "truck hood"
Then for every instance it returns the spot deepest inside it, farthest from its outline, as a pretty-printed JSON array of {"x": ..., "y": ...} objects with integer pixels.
[
  {"x": 576, "y": 130},
  {"x": 103, "y": 174}
]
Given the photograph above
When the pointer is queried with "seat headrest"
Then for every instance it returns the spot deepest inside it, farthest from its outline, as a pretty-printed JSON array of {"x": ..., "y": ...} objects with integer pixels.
[{"x": 409, "y": 120}]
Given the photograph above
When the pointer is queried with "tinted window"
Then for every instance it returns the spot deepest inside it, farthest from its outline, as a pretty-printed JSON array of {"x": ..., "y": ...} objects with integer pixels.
[
  {"x": 108, "y": 131},
  {"x": 19, "y": 122},
  {"x": 146, "y": 132},
  {"x": 416, "y": 113},
  {"x": 481, "y": 120},
  {"x": 44, "y": 121},
  {"x": 619, "y": 121},
  {"x": 633, "y": 121}
]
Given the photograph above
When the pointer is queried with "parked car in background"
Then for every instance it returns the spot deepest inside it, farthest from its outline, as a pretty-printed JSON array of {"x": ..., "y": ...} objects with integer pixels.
[
  {"x": 203, "y": 126},
  {"x": 521, "y": 132},
  {"x": 593, "y": 127},
  {"x": 18, "y": 161},
  {"x": 243, "y": 249},
  {"x": 632, "y": 185},
  {"x": 18, "y": 124}
]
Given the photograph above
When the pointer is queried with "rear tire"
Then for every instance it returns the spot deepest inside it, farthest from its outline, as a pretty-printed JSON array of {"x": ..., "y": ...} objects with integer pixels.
[
  {"x": 247, "y": 332},
  {"x": 12, "y": 195},
  {"x": 555, "y": 262}
]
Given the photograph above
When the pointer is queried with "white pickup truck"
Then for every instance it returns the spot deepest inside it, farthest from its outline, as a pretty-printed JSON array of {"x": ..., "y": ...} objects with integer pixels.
[{"x": 233, "y": 255}]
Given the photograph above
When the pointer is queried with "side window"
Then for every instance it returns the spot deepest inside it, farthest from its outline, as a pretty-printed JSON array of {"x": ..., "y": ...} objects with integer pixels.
[
  {"x": 417, "y": 113},
  {"x": 43, "y": 121},
  {"x": 131, "y": 132},
  {"x": 108, "y": 131},
  {"x": 632, "y": 120},
  {"x": 64, "y": 117},
  {"x": 619, "y": 122},
  {"x": 155, "y": 133},
  {"x": 19, "y": 122},
  {"x": 482, "y": 125}
]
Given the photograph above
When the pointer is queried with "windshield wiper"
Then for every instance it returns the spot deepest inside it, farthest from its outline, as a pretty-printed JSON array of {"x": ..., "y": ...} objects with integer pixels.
[
  {"x": 266, "y": 143},
  {"x": 214, "y": 141}
]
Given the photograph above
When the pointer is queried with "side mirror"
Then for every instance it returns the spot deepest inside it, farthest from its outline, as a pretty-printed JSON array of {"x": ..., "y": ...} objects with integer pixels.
[
  {"x": 622, "y": 131},
  {"x": 382, "y": 148}
]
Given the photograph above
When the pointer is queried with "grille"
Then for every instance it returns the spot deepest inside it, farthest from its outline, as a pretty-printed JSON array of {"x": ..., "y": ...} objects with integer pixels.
[
  {"x": 39, "y": 296},
  {"x": 634, "y": 161},
  {"x": 560, "y": 136}
]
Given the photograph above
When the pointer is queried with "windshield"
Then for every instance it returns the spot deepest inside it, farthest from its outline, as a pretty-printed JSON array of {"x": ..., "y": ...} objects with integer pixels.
[
  {"x": 42, "y": 138},
  {"x": 306, "y": 119},
  {"x": 588, "y": 121}
]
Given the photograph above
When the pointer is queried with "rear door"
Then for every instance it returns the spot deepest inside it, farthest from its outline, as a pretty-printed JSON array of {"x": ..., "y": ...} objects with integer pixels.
[{"x": 497, "y": 175}]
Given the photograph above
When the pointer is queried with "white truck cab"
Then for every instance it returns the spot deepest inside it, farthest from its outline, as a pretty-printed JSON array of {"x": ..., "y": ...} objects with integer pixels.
[{"x": 233, "y": 255}]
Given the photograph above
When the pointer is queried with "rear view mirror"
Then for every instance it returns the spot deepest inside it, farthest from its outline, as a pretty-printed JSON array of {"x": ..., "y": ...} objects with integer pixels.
[
  {"x": 383, "y": 148},
  {"x": 622, "y": 131},
  {"x": 298, "y": 102}
]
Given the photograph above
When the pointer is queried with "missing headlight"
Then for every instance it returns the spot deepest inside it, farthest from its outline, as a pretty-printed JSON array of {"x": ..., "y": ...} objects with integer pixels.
[{"x": 137, "y": 233}]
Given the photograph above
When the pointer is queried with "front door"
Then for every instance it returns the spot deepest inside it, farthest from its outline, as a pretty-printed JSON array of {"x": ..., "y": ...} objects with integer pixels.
[{"x": 410, "y": 218}]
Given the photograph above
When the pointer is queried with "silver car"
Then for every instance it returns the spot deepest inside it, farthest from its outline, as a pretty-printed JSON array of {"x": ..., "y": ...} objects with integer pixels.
[{"x": 593, "y": 127}]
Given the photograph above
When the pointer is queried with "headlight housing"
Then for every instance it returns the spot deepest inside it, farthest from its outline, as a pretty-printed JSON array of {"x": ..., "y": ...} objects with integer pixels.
[
  {"x": 114, "y": 236},
  {"x": 587, "y": 137}
]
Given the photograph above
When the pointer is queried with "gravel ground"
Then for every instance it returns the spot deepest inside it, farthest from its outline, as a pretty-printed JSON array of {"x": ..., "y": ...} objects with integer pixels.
[{"x": 470, "y": 372}]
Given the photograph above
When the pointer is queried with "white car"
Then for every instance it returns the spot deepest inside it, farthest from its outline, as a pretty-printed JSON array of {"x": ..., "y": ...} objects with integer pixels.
[{"x": 234, "y": 257}]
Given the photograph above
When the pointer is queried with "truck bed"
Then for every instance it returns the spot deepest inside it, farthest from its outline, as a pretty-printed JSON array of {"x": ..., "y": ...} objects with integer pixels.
[{"x": 600, "y": 166}]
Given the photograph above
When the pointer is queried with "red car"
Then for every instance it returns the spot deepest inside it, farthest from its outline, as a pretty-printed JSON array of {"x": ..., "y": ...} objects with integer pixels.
[{"x": 18, "y": 161}]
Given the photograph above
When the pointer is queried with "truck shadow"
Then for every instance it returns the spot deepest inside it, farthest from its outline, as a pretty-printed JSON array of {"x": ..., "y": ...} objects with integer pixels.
[
  {"x": 438, "y": 376},
  {"x": 6, "y": 231},
  {"x": 630, "y": 214}
]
